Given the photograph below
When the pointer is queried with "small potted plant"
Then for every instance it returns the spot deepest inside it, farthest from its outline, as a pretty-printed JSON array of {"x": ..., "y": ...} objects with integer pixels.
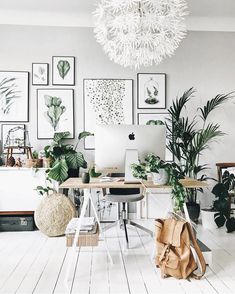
[{"x": 35, "y": 161}]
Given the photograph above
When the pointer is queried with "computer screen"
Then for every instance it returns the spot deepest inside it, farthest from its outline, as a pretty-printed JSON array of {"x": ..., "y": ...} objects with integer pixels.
[{"x": 112, "y": 141}]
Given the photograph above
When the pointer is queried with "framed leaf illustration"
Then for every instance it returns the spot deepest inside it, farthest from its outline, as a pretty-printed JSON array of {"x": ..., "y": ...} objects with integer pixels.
[
  {"x": 40, "y": 74},
  {"x": 55, "y": 112},
  {"x": 14, "y": 96},
  {"x": 63, "y": 70}
]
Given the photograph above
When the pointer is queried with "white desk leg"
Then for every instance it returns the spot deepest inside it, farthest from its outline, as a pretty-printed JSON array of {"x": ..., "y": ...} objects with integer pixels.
[
  {"x": 86, "y": 191},
  {"x": 72, "y": 254}
]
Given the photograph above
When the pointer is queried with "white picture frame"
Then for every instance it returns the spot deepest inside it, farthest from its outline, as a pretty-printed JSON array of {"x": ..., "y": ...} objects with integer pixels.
[
  {"x": 146, "y": 118},
  {"x": 106, "y": 101},
  {"x": 63, "y": 70},
  {"x": 14, "y": 96},
  {"x": 40, "y": 74},
  {"x": 151, "y": 91},
  {"x": 47, "y": 125}
]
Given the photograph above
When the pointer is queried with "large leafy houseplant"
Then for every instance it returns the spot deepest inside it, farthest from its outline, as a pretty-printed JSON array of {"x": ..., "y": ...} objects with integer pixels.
[
  {"x": 189, "y": 137},
  {"x": 153, "y": 163},
  {"x": 65, "y": 157}
]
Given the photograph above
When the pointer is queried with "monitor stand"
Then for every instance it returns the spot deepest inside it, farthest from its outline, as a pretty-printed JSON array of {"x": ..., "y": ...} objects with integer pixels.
[{"x": 131, "y": 157}]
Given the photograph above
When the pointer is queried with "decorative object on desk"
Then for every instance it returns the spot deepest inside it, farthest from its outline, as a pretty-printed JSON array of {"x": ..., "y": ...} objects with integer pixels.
[
  {"x": 140, "y": 33},
  {"x": 66, "y": 160},
  {"x": 35, "y": 161},
  {"x": 153, "y": 163},
  {"x": 85, "y": 178},
  {"x": 14, "y": 96},
  {"x": 53, "y": 214},
  {"x": 40, "y": 74},
  {"x": 151, "y": 91},
  {"x": 63, "y": 70},
  {"x": 106, "y": 101},
  {"x": 156, "y": 119},
  {"x": 188, "y": 140},
  {"x": 18, "y": 162},
  {"x": 11, "y": 161},
  {"x": 93, "y": 173},
  {"x": 55, "y": 112},
  {"x": 13, "y": 135}
]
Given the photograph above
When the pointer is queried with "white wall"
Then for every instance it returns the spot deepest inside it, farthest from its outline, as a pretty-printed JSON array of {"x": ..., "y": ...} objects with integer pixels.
[{"x": 205, "y": 60}]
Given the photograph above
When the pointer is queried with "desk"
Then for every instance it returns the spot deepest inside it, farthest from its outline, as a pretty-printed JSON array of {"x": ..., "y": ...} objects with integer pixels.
[{"x": 95, "y": 183}]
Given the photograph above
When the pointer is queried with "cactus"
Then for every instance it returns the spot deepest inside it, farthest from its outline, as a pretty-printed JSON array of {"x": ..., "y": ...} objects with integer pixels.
[{"x": 55, "y": 110}]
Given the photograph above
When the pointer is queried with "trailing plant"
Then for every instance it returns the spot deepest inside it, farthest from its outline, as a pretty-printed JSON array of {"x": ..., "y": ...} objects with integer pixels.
[
  {"x": 64, "y": 156},
  {"x": 222, "y": 204},
  {"x": 45, "y": 190},
  {"x": 153, "y": 163},
  {"x": 190, "y": 138},
  {"x": 8, "y": 94}
]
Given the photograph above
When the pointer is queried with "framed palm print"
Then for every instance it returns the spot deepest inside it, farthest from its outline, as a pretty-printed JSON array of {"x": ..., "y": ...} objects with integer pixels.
[
  {"x": 40, "y": 74},
  {"x": 106, "y": 101},
  {"x": 13, "y": 135},
  {"x": 14, "y": 96},
  {"x": 155, "y": 119},
  {"x": 55, "y": 112},
  {"x": 151, "y": 91},
  {"x": 63, "y": 70}
]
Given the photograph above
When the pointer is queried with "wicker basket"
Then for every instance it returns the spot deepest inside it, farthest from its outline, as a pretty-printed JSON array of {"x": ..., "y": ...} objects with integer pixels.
[{"x": 83, "y": 239}]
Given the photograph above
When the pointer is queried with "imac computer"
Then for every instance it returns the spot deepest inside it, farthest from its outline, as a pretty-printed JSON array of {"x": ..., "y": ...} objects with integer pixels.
[{"x": 118, "y": 146}]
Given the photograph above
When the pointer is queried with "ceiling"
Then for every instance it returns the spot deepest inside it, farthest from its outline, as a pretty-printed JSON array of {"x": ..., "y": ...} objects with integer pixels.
[{"x": 78, "y": 12}]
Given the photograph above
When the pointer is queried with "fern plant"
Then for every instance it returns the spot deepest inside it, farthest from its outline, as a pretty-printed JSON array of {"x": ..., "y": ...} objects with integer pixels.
[
  {"x": 190, "y": 138},
  {"x": 64, "y": 156}
]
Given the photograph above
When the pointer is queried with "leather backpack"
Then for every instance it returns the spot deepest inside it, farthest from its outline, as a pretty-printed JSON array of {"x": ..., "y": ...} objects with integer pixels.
[{"x": 175, "y": 256}]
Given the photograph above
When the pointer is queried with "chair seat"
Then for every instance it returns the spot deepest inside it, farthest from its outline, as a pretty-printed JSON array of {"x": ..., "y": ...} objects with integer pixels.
[{"x": 124, "y": 198}]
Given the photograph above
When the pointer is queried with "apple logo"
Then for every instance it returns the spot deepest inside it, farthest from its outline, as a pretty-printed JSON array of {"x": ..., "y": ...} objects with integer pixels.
[{"x": 132, "y": 136}]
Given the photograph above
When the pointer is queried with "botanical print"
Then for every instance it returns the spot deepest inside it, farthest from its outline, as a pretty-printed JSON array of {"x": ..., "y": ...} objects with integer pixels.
[
  {"x": 155, "y": 119},
  {"x": 13, "y": 135},
  {"x": 151, "y": 91},
  {"x": 63, "y": 70},
  {"x": 106, "y": 101},
  {"x": 40, "y": 73},
  {"x": 13, "y": 96},
  {"x": 55, "y": 112}
]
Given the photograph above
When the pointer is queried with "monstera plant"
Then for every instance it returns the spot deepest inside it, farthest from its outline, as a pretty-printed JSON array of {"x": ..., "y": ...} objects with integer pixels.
[{"x": 65, "y": 157}]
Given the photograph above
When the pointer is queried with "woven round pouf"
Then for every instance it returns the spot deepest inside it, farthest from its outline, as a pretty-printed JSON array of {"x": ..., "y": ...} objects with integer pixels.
[{"x": 53, "y": 214}]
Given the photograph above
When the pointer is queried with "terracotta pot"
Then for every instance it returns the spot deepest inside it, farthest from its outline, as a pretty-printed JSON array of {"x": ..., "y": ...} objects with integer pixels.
[{"x": 36, "y": 163}]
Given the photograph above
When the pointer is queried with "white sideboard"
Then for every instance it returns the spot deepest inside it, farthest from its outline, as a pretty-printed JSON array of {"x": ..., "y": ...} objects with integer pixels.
[{"x": 17, "y": 186}]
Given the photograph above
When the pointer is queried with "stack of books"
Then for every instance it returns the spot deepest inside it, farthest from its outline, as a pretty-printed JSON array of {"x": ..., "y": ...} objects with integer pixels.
[{"x": 88, "y": 235}]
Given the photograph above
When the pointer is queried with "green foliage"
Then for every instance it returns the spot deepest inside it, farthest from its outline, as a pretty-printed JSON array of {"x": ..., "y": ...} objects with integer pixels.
[
  {"x": 188, "y": 139},
  {"x": 153, "y": 163},
  {"x": 64, "y": 156},
  {"x": 63, "y": 67},
  {"x": 35, "y": 154},
  {"x": 55, "y": 110}
]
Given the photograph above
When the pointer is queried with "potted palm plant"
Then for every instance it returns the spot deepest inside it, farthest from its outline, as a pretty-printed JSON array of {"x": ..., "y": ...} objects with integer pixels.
[
  {"x": 66, "y": 160},
  {"x": 189, "y": 138}
]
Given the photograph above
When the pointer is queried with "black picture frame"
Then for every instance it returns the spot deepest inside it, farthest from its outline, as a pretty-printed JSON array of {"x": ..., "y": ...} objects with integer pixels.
[
  {"x": 164, "y": 91},
  {"x": 73, "y": 70},
  {"x": 73, "y": 112},
  {"x": 26, "y": 96},
  {"x": 170, "y": 156},
  {"x": 84, "y": 112},
  {"x": 2, "y": 139},
  {"x": 47, "y": 74}
]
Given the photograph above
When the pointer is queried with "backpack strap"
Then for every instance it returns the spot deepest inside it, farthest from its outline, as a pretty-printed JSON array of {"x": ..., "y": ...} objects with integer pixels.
[{"x": 198, "y": 252}]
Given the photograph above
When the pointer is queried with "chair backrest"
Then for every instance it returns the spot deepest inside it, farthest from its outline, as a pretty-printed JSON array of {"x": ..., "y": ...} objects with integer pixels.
[{"x": 123, "y": 191}]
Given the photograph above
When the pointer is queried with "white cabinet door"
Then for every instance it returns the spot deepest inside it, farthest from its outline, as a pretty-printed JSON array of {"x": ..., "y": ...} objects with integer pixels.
[{"x": 17, "y": 188}]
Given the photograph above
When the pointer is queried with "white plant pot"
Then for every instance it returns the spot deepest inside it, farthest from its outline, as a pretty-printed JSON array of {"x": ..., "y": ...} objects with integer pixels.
[
  {"x": 160, "y": 178},
  {"x": 208, "y": 220}
]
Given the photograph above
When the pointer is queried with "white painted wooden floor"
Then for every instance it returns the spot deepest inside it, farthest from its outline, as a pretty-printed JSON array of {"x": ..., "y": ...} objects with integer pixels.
[{"x": 33, "y": 263}]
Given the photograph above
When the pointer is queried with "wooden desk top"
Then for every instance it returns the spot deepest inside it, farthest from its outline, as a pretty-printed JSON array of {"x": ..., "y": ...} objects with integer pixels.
[{"x": 75, "y": 183}]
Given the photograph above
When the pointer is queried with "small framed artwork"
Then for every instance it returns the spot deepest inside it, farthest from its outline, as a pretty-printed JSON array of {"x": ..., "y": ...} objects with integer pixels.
[
  {"x": 55, "y": 112},
  {"x": 13, "y": 135},
  {"x": 40, "y": 74},
  {"x": 14, "y": 96},
  {"x": 155, "y": 119},
  {"x": 106, "y": 101},
  {"x": 151, "y": 91},
  {"x": 63, "y": 70}
]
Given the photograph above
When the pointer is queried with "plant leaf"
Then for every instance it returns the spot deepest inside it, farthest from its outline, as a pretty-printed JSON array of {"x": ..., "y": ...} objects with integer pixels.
[
  {"x": 59, "y": 171},
  {"x": 63, "y": 67},
  {"x": 59, "y": 136},
  {"x": 84, "y": 135}
]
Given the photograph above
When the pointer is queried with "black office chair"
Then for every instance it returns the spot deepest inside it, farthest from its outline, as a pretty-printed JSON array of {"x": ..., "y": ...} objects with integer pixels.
[{"x": 125, "y": 196}]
